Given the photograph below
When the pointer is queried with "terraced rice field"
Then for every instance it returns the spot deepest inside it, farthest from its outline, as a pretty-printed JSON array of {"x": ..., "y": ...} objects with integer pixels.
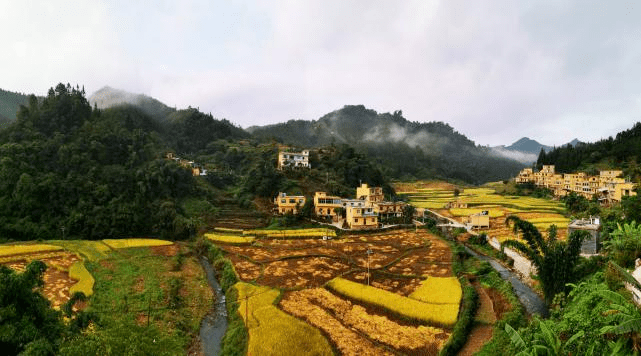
[
  {"x": 399, "y": 261},
  {"x": 541, "y": 212},
  {"x": 66, "y": 272}
]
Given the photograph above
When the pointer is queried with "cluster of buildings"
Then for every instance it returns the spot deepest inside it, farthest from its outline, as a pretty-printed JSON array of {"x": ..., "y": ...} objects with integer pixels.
[
  {"x": 608, "y": 186},
  {"x": 364, "y": 212},
  {"x": 196, "y": 169}
]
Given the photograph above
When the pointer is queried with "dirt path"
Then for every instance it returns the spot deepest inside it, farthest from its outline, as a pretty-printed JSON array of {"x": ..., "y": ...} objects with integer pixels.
[{"x": 483, "y": 324}]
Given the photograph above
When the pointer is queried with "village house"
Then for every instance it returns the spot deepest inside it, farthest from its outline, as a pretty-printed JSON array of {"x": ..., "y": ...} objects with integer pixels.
[
  {"x": 289, "y": 204},
  {"x": 360, "y": 215},
  {"x": 326, "y": 205},
  {"x": 375, "y": 198},
  {"x": 609, "y": 187},
  {"x": 288, "y": 159}
]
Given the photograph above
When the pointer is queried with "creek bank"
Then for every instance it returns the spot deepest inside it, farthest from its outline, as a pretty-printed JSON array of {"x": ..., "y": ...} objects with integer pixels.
[
  {"x": 214, "y": 325},
  {"x": 531, "y": 301}
]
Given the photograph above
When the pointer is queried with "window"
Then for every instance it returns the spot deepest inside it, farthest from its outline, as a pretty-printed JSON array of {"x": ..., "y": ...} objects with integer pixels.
[
  {"x": 283, "y": 201},
  {"x": 355, "y": 220}
]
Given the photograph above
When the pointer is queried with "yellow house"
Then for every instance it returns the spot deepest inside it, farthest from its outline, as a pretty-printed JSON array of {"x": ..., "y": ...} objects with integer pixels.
[
  {"x": 324, "y": 205},
  {"x": 389, "y": 209},
  {"x": 293, "y": 159},
  {"x": 369, "y": 194},
  {"x": 289, "y": 203},
  {"x": 360, "y": 215}
]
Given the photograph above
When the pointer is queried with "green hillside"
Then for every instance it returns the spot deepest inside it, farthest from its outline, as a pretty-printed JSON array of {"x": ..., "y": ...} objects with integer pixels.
[
  {"x": 620, "y": 152},
  {"x": 9, "y": 104},
  {"x": 407, "y": 150}
]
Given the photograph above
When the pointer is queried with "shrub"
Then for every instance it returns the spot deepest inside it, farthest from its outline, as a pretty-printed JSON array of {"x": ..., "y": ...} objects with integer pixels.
[{"x": 464, "y": 325}]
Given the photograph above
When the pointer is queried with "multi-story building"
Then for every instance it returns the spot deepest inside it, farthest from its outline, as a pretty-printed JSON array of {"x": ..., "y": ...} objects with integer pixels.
[
  {"x": 360, "y": 214},
  {"x": 326, "y": 205},
  {"x": 608, "y": 186},
  {"x": 289, "y": 203},
  {"x": 293, "y": 159},
  {"x": 369, "y": 194}
]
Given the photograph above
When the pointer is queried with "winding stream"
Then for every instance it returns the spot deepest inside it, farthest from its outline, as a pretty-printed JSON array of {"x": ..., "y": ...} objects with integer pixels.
[
  {"x": 531, "y": 301},
  {"x": 214, "y": 324}
]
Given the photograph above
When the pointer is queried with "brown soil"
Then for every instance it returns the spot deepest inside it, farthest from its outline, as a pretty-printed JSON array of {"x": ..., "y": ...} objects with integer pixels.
[
  {"x": 167, "y": 250},
  {"x": 56, "y": 278}
]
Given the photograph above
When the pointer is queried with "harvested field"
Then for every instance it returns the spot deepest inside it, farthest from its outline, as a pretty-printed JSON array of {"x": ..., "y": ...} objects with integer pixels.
[
  {"x": 339, "y": 318},
  {"x": 57, "y": 281},
  {"x": 273, "y": 332},
  {"x": 313, "y": 262},
  {"x": 399, "y": 261}
]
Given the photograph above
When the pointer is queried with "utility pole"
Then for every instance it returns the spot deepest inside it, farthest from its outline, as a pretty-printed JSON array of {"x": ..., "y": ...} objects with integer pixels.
[{"x": 369, "y": 252}]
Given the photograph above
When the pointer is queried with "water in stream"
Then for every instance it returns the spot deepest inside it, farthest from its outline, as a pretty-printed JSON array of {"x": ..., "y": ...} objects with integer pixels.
[
  {"x": 214, "y": 324},
  {"x": 531, "y": 301}
]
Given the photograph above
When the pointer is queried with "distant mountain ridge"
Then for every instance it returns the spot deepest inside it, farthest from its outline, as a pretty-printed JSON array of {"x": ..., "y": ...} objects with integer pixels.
[
  {"x": 526, "y": 150},
  {"x": 408, "y": 150}
]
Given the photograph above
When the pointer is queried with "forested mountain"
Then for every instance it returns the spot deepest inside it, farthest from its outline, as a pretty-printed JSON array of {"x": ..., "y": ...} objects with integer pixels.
[
  {"x": 72, "y": 171},
  {"x": 108, "y": 97},
  {"x": 9, "y": 104},
  {"x": 405, "y": 149},
  {"x": 620, "y": 152}
]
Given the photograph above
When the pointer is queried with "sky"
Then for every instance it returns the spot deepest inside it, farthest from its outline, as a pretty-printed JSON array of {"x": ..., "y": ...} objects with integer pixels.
[{"x": 494, "y": 70}]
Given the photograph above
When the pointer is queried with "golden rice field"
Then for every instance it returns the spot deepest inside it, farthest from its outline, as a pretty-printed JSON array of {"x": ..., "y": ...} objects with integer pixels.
[
  {"x": 439, "y": 290},
  {"x": 19, "y": 249},
  {"x": 79, "y": 272},
  {"x": 66, "y": 272},
  {"x": 541, "y": 212},
  {"x": 356, "y": 331},
  {"x": 291, "y": 233},
  {"x": 435, "y": 314},
  {"x": 129, "y": 243},
  {"x": 399, "y": 262},
  {"x": 232, "y": 239},
  {"x": 272, "y": 331}
]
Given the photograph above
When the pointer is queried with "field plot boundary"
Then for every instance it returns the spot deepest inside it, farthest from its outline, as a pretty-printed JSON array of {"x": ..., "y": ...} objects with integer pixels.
[{"x": 436, "y": 314}]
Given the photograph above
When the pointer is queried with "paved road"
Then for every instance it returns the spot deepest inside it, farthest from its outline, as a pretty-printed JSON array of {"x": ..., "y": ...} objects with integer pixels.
[{"x": 531, "y": 301}]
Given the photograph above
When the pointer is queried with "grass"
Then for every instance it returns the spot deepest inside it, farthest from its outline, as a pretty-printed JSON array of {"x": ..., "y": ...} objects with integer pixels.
[
  {"x": 272, "y": 331},
  {"x": 438, "y": 314},
  {"x": 439, "y": 290},
  {"x": 133, "y": 281},
  {"x": 85, "y": 279},
  {"x": 90, "y": 250},
  {"x": 128, "y": 243},
  {"x": 231, "y": 239},
  {"x": 8, "y": 250}
]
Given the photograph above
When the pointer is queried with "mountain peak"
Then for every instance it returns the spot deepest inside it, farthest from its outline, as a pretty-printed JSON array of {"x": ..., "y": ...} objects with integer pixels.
[{"x": 107, "y": 97}]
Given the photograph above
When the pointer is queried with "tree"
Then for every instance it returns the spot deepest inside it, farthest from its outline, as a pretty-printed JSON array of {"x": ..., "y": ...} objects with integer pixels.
[
  {"x": 408, "y": 213},
  {"x": 624, "y": 245},
  {"x": 555, "y": 261},
  {"x": 28, "y": 325}
]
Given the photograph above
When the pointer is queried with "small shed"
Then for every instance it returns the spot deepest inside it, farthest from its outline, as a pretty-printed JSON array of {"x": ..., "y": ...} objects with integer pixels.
[
  {"x": 480, "y": 220},
  {"x": 592, "y": 225}
]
